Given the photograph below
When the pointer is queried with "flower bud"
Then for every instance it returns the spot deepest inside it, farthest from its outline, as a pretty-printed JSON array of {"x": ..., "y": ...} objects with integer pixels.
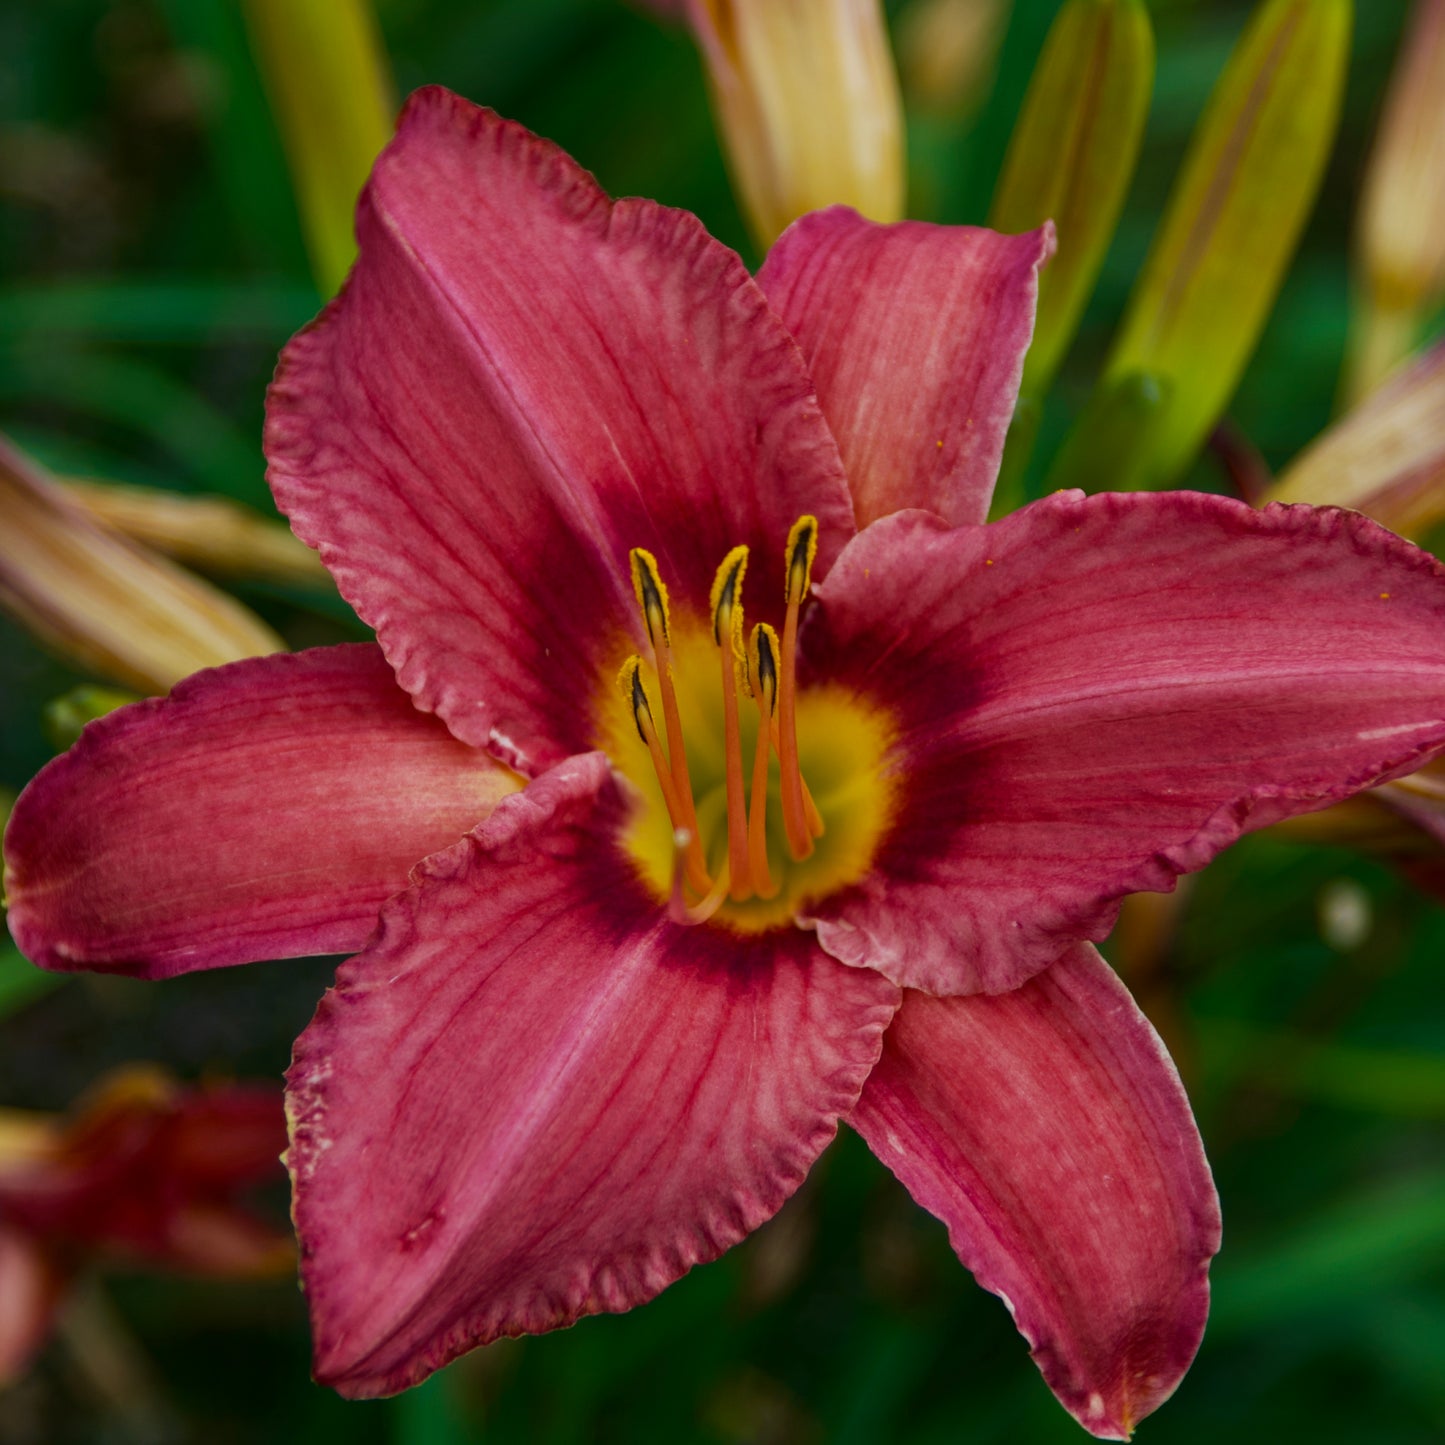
[
  {"x": 1071, "y": 157},
  {"x": 1386, "y": 458},
  {"x": 947, "y": 54},
  {"x": 806, "y": 98},
  {"x": 1236, "y": 213},
  {"x": 1401, "y": 234},
  {"x": 212, "y": 534},
  {"x": 114, "y": 608}
]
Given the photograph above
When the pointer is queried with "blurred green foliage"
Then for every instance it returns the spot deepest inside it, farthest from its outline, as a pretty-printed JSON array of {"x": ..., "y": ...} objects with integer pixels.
[{"x": 153, "y": 265}]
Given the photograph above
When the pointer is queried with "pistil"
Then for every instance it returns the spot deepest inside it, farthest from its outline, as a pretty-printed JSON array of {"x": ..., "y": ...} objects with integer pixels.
[{"x": 727, "y": 631}]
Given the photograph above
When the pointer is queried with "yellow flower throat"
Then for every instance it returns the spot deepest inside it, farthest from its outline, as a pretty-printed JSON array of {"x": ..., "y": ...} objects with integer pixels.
[{"x": 772, "y": 800}]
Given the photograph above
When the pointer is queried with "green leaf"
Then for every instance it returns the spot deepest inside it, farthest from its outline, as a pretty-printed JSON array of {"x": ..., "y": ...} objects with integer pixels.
[
  {"x": 67, "y": 715},
  {"x": 245, "y": 151},
  {"x": 20, "y": 980},
  {"x": 1340, "y": 1255},
  {"x": 212, "y": 451},
  {"x": 1383, "y": 1081},
  {"x": 179, "y": 311},
  {"x": 432, "y": 1414}
]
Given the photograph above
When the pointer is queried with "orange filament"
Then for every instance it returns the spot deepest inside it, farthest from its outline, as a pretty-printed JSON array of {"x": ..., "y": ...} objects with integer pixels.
[
  {"x": 763, "y": 659},
  {"x": 727, "y": 628},
  {"x": 630, "y": 681},
  {"x": 802, "y": 548},
  {"x": 651, "y": 593}
]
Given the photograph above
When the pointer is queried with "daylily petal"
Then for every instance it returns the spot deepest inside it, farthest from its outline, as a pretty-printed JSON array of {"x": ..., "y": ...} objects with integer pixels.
[
  {"x": 151, "y": 1169},
  {"x": 915, "y": 336},
  {"x": 520, "y": 382},
  {"x": 1048, "y": 1129},
  {"x": 222, "y": 1137},
  {"x": 30, "y": 1290},
  {"x": 534, "y": 1097},
  {"x": 1097, "y": 694},
  {"x": 262, "y": 810}
]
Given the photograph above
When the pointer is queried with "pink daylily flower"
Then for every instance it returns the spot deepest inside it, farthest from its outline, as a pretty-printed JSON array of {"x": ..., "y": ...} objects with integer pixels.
[
  {"x": 145, "y": 1172},
  {"x": 604, "y": 1028}
]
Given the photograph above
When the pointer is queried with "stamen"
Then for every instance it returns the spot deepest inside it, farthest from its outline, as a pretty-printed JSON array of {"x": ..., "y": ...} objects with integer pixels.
[
  {"x": 652, "y": 599},
  {"x": 802, "y": 549},
  {"x": 763, "y": 667},
  {"x": 630, "y": 681},
  {"x": 727, "y": 631}
]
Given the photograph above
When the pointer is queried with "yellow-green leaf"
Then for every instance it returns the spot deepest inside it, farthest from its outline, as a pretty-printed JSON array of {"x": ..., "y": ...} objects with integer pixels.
[
  {"x": 1111, "y": 443},
  {"x": 66, "y": 716},
  {"x": 1072, "y": 155}
]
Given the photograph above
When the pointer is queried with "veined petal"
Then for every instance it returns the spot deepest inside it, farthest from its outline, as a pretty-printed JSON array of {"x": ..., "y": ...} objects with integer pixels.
[
  {"x": 1048, "y": 1129},
  {"x": 521, "y": 381},
  {"x": 915, "y": 335},
  {"x": 1097, "y": 694},
  {"x": 262, "y": 810},
  {"x": 534, "y": 1097}
]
